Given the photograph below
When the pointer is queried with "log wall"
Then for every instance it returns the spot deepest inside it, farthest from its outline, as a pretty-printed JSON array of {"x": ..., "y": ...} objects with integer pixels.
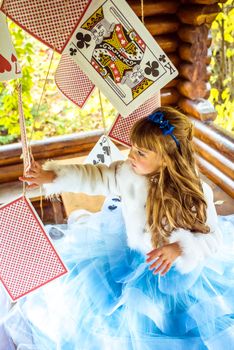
[{"x": 182, "y": 29}]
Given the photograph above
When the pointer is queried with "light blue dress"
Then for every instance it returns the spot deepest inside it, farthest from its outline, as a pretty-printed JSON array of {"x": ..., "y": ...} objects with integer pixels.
[{"x": 111, "y": 300}]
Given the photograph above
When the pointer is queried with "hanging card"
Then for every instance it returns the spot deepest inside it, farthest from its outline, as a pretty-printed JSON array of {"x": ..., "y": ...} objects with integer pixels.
[
  {"x": 119, "y": 55},
  {"x": 104, "y": 152},
  {"x": 28, "y": 259},
  {"x": 9, "y": 65},
  {"x": 120, "y": 130}
]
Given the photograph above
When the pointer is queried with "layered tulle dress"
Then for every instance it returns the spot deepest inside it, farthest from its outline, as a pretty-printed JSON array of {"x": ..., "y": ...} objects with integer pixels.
[{"x": 111, "y": 300}]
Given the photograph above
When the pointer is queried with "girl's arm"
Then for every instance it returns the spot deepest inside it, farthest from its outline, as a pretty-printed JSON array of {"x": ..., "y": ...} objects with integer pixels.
[
  {"x": 87, "y": 178},
  {"x": 197, "y": 246}
]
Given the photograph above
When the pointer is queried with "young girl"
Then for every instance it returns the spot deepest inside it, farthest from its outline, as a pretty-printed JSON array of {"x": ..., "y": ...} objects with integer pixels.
[{"x": 145, "y": 273}]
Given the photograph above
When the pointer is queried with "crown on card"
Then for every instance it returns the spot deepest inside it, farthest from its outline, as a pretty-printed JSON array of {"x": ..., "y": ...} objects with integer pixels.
[
  {"x": 93, "y": 20},
  {"x": 141, "y": 87}
]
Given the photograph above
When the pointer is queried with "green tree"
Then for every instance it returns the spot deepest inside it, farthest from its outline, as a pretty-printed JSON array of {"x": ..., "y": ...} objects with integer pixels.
[{"x": 222, "y": 79}]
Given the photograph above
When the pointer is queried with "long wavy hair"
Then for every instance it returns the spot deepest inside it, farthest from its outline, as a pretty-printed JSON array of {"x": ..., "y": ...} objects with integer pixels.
[{"x": 175, "y": 196}]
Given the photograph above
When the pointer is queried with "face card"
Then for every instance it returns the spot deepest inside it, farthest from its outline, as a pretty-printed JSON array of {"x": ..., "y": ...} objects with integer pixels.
[
  {"x": 104, "y": 152},
  {"x": 120, "y": 56},
  {"x": 9, "y": 65},
  {"x": 28, "y": 259}
]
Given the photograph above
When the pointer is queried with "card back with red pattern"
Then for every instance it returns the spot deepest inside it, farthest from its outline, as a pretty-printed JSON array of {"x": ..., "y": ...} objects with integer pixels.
[{"x": 28, "y": 259}]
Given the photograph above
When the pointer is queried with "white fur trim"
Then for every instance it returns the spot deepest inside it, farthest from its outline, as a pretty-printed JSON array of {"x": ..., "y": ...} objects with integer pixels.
[{"x": 191, "y": 255}]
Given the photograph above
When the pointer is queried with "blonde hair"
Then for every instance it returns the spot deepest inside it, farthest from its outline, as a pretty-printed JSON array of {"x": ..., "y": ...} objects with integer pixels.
[{"x": 175, "y": 196}]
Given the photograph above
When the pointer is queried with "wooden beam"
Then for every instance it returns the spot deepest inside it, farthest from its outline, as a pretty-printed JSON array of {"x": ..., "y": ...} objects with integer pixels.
[
  {"x": 59, "y": 146},
  {"x": 201, "y": 109},
  {"x": 168, "y": 43},
  {"x": 152, "y": 7},
  {"x": 162, "y": 25},
  {"x": 214, "y": 157},
  {"x": 169, "y": 97},
  {"x": 216, "y": 137},
  {"x": 198, "y": 14},
  {"x": 216, "y": 176},
  {"x": 191, "y": 90}
]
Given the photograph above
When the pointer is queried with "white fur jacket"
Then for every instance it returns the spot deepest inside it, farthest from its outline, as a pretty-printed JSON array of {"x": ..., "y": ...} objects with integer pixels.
[{"x": 119, "y": 178}]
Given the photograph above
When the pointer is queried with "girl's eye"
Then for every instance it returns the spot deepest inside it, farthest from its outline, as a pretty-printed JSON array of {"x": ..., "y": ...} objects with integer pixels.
[{"x": 141, "y": 154}]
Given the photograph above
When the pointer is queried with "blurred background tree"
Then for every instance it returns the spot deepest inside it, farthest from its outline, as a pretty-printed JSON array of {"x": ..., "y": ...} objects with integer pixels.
[
  {"x": 59, "y": 116},
  {"x": 222, "y": 64}
]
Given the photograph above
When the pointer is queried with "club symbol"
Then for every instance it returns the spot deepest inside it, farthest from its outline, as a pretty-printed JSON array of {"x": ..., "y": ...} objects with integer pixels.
[
  {"x": 152, "y": 68},
  {"x": 73, "y": 51},
  {"x": 162, "y": 58},
  {"x": 83, "y": 40}
]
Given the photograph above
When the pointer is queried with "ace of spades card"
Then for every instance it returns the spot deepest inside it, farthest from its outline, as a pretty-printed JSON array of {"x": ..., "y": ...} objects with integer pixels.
[
  {"x": 119, "y": 55},
  {"x": 9, "y": 66},
  {"x": 104, "y": 152}
]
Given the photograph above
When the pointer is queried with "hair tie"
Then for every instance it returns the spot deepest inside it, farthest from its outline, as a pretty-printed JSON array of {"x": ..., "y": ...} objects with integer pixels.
[{"x": 159, "y": 119}]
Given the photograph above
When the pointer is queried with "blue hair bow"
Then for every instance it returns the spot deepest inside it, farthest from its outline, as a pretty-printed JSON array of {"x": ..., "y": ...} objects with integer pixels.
[{"x": 159, "y": 119}]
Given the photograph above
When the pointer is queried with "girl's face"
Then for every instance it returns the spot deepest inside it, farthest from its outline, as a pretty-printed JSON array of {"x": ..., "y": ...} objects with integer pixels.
[{"x": 143, "y": 161}]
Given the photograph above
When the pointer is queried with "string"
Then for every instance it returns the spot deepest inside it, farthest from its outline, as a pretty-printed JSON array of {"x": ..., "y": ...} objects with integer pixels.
[
  {"x": 41, "y": 97},
  {"x": 142, "y": 12}
]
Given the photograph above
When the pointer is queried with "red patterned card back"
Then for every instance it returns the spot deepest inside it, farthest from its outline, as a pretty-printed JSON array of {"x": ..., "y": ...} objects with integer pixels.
[
  {"x": 28, "y": 259},
  {"x": 50, "y": 21},
  {"x": 120, "y": 130},
  {"x": 72, "y": 82}
]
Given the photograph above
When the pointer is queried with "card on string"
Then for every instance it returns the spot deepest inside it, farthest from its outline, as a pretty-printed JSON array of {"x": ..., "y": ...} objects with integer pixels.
[
  {"x": 28, "y": 259},
  {"x": 50, "y": 21},
  {"x": 9, "y": 65},
  {"x": 72, "y": 82},
  {"x": 120, "y": 130},
  {"x": 119, "y": 55},
  {"x": 104, "y": 152}
]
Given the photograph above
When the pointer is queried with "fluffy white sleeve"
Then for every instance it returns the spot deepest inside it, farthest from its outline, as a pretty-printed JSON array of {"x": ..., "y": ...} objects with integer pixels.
[
  {"x": 196, "y": 247},
  {"x": 86, "y": 178}
]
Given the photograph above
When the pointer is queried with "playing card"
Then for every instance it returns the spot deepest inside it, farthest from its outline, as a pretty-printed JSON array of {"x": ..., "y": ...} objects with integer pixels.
[
  {"x": 119, "y": 55},
  {"x": 120, "y": 130},
  {"x": 104, "y": 152},
  {"x": 9, "y": 65},
  {"x": 72, "y": 82},
  {"x": 50, "y": 21},
  {"x": 28, "y": 259}
]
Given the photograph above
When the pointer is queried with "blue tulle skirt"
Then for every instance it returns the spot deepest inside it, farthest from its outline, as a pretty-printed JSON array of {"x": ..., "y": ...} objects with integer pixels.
[{"x": 111, "y": 300}]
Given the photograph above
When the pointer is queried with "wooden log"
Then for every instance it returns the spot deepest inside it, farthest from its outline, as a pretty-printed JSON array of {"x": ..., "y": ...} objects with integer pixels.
[
  {"x": 214, "y": 157},
  {"x": 201, "y": 2},
  {"x": 216, "y": 176},
  {"x": 193, "y": 53},
  {"x": 168, "y": 43},
  {"x": 198, "y": 14},
  {"x": 169, "y": 97},
  {"x": 191, "y": 34},
  {"x": 53, "y": 147},
  {"x": 201, "y": 109},
  {"x": 193, "y": 71},
  {"x": 217, "y": 137},
  {"x": 171, "y": 83},
  {"x": 191, "y": 90},
  {"x": 152, "y": 7},
  {"x": 162, "y": 25},
  {"x": 175, "y": 59}
]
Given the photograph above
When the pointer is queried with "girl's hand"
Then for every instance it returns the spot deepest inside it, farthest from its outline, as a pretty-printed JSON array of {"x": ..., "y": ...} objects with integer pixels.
[
  {"x": 163, "y": 258},
  {"x": 36, "y": 176}
]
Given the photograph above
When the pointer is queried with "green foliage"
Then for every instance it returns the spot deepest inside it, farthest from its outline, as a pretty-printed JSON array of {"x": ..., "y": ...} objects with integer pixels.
[
  {"x": 222, "y": 79},
  {"x": 56, "y": 115}
]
